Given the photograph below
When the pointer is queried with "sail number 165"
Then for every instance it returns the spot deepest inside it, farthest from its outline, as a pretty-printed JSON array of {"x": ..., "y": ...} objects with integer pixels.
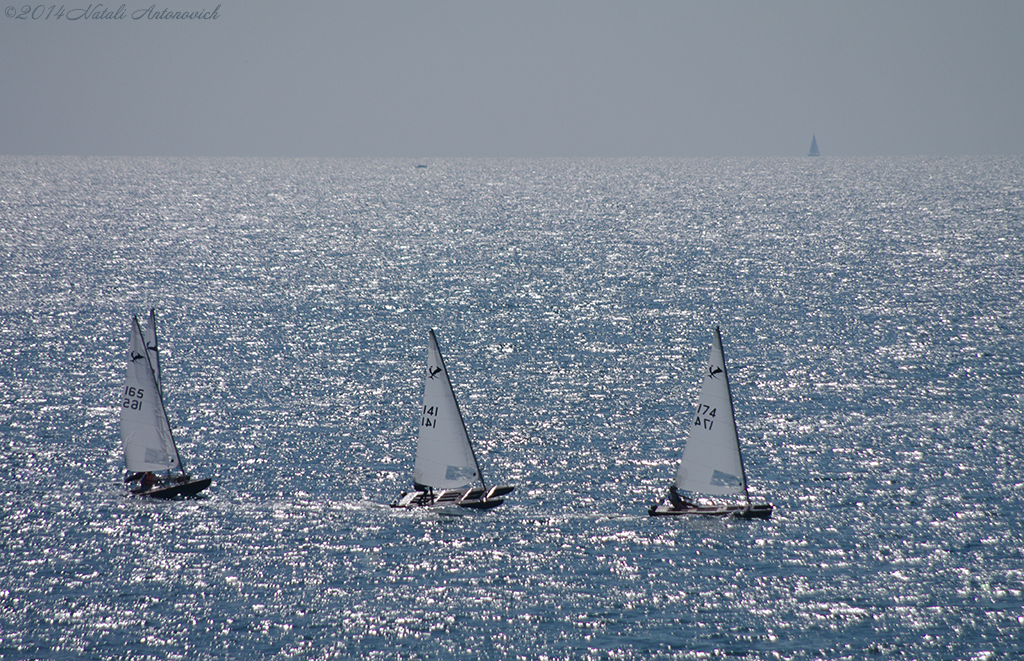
[
  {"x": 133, "y": 398},
  {"x": 705, "y": 416}
]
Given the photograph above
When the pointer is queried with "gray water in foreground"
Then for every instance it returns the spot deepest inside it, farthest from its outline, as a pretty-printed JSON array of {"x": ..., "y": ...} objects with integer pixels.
[{"x": 871, "y": 311}]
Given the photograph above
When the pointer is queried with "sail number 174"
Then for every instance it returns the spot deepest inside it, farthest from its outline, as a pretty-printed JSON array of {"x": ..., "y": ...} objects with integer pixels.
[{"x": 705, "y": 416}]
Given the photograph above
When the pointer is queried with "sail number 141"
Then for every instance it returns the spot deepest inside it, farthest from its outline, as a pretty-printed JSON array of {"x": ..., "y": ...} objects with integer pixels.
[{"x": 429, "y": 418}]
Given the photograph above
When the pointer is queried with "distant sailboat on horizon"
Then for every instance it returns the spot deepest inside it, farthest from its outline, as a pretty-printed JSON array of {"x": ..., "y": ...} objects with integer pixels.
[{"x": 814, "y": 146}]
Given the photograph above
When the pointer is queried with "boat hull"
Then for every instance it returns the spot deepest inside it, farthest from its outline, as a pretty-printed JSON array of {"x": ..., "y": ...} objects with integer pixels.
[
  {"x": 174, "y": 490},
  {"x": 760, "y": 511},
  {"x": 469, "y": 498}
]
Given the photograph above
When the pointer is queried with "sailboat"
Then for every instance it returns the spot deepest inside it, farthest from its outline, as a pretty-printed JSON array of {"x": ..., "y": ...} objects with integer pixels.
[
  {"x": 146, "y": 438},
  {"x": 814, "y": 146},
  {"x": 446, "y": 470},
  {"x": 712, "y": 465}
]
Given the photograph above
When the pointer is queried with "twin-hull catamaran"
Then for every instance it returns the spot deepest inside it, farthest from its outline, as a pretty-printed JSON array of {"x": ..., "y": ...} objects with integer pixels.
[
  {"x": 446, "y": 468},
  {"x": 150, "y": 454},
  {"x": 712, "y": 464}
]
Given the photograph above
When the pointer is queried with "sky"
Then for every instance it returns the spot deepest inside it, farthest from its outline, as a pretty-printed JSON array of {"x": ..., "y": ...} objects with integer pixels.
[{"x": 515, "y": 78}]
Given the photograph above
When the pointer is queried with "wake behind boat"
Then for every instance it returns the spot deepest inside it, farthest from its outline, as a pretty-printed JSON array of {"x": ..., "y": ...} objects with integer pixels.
[
  {"x": 712, "y": 464},
  {"x": 150, "y": 453},
  {"x": 446, "y": 465}
]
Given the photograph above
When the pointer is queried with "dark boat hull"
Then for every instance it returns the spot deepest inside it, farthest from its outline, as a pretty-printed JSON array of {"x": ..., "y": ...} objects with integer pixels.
[
  {"x": 174, "y": 490},
  {"x": 470, "y": 498},
  {"x": 760, "y": 511}
]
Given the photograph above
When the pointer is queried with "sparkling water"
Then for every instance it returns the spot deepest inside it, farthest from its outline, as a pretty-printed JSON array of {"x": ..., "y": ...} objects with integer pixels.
[{"x": 871, "y": 311}]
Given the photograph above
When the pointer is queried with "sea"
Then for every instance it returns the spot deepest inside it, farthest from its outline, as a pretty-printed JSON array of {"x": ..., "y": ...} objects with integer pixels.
[{"x": 872, "y": 313}]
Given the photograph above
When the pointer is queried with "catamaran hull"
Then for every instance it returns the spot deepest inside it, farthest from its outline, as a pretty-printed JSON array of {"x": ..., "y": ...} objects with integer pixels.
[
  {"x": 184, "y": 489},
  {"x": 476, "y": 499},
  {"x": 762, "y": 511}
]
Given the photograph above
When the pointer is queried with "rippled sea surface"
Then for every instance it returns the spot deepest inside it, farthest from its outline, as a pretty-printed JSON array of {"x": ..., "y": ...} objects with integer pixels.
[{"x": 872, "y": 317}]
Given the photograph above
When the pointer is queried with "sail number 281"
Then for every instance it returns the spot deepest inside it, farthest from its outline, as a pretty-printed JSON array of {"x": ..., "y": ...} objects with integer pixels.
[
  {"x": 133, "y": 398},
  {"x": 705, "y": 416}
]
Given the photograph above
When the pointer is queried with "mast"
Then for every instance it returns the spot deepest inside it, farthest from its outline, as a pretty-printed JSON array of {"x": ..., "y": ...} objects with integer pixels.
[
  {"x": 153, "y": 349},
  {"x": 458, "y": 408},
  {"x": 732, "y": 409}
]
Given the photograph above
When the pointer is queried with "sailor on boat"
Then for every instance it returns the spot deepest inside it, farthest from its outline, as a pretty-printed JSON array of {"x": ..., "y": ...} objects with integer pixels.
[{"x": 678, "y": 502}]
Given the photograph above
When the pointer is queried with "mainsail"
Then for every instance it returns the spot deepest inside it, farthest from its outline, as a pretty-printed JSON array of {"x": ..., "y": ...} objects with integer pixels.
[
  {"x": 145, "y": 432},
  {"x": 711, "y": 461},
  {"x": 444, "y": 456},
  {"x": 814, "y": 146}
]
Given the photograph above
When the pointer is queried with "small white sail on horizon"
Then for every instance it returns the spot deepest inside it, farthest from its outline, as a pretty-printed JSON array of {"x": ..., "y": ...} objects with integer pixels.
[{"x": 444, "y": 456}]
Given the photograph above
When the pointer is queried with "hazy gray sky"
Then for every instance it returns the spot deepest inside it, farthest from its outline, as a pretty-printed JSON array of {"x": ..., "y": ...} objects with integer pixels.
[{"x": 424, "y": 78}]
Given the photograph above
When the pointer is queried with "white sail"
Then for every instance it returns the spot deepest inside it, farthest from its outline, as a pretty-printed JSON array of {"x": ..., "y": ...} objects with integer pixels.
[
  {"x": 149, "y": 335},
  {"x": 711, "y": 461},
  {"x": 145, "y": 432},
  {"x": 444, "y": 457}
]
